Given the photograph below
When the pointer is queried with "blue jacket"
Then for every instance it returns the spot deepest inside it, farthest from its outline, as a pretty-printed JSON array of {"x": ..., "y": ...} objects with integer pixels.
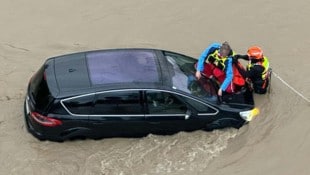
[
  {"x": 229, "y": 72},
  {"x": 201, "y": 60}
]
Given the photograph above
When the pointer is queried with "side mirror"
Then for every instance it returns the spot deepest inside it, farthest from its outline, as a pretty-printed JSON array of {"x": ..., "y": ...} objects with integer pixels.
[{"x": 188, "y": 114}]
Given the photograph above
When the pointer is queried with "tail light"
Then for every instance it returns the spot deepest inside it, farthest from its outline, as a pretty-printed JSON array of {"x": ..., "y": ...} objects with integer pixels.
[{"x": 44, "y": 120}]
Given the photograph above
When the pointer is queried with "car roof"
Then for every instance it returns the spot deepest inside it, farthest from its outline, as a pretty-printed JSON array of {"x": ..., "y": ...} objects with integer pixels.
[{"x": 100, "y": 70}]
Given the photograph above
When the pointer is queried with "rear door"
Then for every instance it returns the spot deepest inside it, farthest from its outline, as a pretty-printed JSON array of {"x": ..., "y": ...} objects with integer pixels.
[
  {"x": 118, "y": 113},
  {"x": 168, "y": 113},
  {"x": 78, "y": 108}
]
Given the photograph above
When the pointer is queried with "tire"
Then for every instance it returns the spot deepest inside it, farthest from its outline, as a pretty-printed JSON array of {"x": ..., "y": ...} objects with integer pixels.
[
  {"x": 220, "y": 124},
  {"x": 212, "y": 126}
]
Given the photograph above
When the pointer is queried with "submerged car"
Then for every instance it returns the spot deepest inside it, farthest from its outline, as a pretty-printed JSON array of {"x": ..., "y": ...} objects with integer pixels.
[{"x": 127, "y": 93}]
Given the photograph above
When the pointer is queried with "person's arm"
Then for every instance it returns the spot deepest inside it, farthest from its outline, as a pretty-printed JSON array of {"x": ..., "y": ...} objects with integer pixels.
[
  {"x": 244, "y": 57},
  {"x": 229, "y": 75}
]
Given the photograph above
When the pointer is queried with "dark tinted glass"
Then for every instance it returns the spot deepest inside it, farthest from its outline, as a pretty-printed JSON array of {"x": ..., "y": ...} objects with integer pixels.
[
  {"x": 58, "y": 109},
  {"x": 164, "y": 103},
  {"x": 203, "y": 88},
  {"x": 121, "y": 103},
  {"x": 80, "y": 105},
  {"x": 200, "y": 107},
  {"x": 39, "y": 91},
  {"x": 122, "y": 66}
]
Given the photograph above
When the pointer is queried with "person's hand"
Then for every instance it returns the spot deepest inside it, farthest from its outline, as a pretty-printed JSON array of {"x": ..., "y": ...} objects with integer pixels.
[
  {"x": 198, "y": 75},
  {"x": 220, "y": 92}
]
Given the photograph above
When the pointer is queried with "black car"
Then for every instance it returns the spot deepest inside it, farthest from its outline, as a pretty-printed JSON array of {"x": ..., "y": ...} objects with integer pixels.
[{"x": 127, "y": 93}]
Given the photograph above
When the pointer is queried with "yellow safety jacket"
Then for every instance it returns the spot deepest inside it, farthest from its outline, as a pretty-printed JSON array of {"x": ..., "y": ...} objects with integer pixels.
[
  {"x": 218, "y": 61},
  {"x": 264, "y": 64}
]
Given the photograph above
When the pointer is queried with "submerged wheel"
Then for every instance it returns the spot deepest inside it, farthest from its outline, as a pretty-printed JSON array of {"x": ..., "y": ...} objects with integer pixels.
[
  {"x": 212, "y": 126},
  {"x": 224, "y": 123}
]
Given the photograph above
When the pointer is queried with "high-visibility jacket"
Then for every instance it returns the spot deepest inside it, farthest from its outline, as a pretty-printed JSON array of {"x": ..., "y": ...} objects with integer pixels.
[
  {"x": 215, "y": 59},
  {"x": 264, "y": 64},
  {"x": 221, "y": 63}
]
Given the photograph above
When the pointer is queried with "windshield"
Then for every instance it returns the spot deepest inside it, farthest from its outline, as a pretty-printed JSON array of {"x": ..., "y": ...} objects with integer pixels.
[{"x": 182, "y": 69}]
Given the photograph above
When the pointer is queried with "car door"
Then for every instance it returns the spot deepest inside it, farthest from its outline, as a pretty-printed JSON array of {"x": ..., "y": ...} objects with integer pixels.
[
  {"x": 168, "y": 113},
  {"x": 118, "y": 113},
  {"x": 79, "y": 108}
]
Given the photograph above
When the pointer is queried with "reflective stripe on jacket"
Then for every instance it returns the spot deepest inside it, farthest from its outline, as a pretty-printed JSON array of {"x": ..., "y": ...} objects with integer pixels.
[
  {"x": 218, "y": 61},
  {"x": 205, "y": 54},
  {"x": 264, "y": 64}
]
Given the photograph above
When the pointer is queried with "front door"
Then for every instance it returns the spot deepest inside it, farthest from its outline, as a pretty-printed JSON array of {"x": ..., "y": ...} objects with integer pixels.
[{"x": 168, "y": 114}]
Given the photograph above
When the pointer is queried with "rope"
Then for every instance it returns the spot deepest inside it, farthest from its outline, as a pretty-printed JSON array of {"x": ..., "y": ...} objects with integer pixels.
[{"x": 289, "y": 86}]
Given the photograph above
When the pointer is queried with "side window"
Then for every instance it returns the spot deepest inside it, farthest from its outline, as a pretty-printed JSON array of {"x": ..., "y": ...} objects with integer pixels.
[
  {"x": 118, "y": 103},
  {"x": 80, "y": 105},
  {"x": 164, "y": 103},
  {"x": 200, "y": 107},
  {"x": 203, "y": 88}
]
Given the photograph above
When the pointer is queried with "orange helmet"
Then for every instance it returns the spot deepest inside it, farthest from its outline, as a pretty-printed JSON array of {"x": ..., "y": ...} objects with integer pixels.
[{"x": 255, "y": 52}]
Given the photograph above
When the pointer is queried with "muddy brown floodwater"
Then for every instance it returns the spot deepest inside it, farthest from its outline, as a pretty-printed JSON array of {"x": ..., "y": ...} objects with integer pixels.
[{"x": 276, "y": 142}]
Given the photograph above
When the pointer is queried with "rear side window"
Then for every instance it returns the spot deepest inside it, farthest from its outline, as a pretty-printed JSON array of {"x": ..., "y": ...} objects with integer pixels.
[
  {"x": 118, "y": 103},
  {"x": 39, "y": 91},
  {"x": 80, "y": 105}
]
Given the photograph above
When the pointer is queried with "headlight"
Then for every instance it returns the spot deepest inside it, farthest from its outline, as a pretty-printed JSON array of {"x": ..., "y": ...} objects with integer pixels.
[{"x": 249, "y": 115}]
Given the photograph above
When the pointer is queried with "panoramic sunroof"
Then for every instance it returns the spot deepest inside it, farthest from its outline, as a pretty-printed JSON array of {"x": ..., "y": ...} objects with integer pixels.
[{"x": 122, "y": 66}]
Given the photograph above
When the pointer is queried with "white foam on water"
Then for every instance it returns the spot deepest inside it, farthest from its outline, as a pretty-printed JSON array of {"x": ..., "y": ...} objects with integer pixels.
[{"x": 176, "y": 154}]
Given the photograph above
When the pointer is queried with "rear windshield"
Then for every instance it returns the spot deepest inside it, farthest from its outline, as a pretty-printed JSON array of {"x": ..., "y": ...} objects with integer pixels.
[{"x": 39, "y": 91}]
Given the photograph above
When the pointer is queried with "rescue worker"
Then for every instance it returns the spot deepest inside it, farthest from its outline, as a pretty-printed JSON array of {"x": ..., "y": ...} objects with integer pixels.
[
  {"x": 216, "y": 62},
  {"x": 257, "y": 71}
]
